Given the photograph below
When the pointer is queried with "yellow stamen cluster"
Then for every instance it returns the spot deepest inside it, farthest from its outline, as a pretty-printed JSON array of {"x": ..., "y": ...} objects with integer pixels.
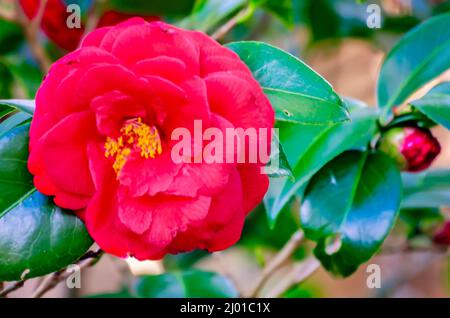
[{"x": 135, "y": 135}]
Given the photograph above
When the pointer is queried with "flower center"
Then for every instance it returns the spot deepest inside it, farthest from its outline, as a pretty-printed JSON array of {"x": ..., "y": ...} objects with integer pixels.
[{"x": 134, "y": 135}]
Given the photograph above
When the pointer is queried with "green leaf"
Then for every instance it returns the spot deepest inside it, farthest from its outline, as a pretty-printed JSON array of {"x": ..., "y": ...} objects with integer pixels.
[
  {"x": 308, "y": 148},
  {"x": 36, "y": 237},
  {"x": 278, "y": 165},
  {"x": 182, "y": 7},
  {"x": 183, "y": 260},
  {"x": 207, "y": 14},
  {"x": 436, "y": 104},
  {"x": 429, "y": 189},
  {"x": 349, "y": 208},
  {"x": 187, "y": 284},
  {"x": 25, "y": 105},
  {"x": 420, "y": 56},
  {"x": 12, "y": 121},
  {"x": 5, "y": 110},
  {"x": 297, "y": 93}
]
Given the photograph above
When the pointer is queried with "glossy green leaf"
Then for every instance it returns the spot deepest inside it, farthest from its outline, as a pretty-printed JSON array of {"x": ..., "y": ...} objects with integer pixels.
[
  {"x": 25, "y": 105},
  {"x": 297, "y": 93},
  {"x": 436, "y": 104},
  {"x": 421, "y": 55},
  {"x": 12, "y": 121},
  {"x": 278, "y": 166},
  {"x": 414, "y": 118},
  {"x": 183, "y": 261},
  {"x": 187, "y": 284},
  {"x": 36, "y": 237},
  {"x": 207, "y": 14},
  {"x": 308, "y": 148},
  {"x": 429, "y": 189},
  {"x": 5, "y": 110},
  {"x": 349, "y": 207}
]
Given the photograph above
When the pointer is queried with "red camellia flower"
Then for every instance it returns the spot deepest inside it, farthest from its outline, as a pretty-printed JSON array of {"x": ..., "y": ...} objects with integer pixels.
[
  {"x": 413, "y": 148},
  {"x": 100, "y": 139},
  {"x": 54, "y": 21}
]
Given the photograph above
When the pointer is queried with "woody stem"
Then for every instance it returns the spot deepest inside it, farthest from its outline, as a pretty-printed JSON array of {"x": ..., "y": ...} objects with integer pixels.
[
  {"x": 31, "y": 29},
  {"x": 279, "y": 260}
]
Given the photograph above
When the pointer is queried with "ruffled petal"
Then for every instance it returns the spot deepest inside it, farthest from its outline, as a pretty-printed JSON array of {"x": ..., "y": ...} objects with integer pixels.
[
  {"x": 166, "y": 67},
  {"x": 208, "y": 176},
  {"x": 165, "y": 41},
  {"x": 68, "y": 140},
  {"x": 148, "y": 176},
  {"x": 240, "y": 101},
  {"x": 254, "y": 185},
  {"x": 226, "y": 207},
  {"x": 112, "y": 109},
  {"x": 95, "y": 37}
]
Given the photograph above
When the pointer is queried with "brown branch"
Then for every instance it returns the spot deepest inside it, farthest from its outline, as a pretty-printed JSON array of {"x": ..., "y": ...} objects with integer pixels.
[
  {"x": 279, "y": 260},
  {"x": 296, "y": 275},
  {"x": 31, "y": 30},
  {"x": 54, "y": 279},
  {"x": 93, "y": 17},
  {"x": 227, "y": 27},
  {"x": 13, "y": 287}
]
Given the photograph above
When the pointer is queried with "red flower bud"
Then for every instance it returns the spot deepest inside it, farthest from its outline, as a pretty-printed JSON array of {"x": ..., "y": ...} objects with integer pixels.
[
  {"x": 413, "y": 148},
  {"x": 442, "y": 237}
]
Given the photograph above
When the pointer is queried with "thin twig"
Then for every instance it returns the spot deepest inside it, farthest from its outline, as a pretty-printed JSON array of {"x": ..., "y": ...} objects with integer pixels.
[
  {"x": 31, "y": 30},
  {"x": 11, "y": 288},
  {"x": 225, "y": 270},
  {"x": 54, "y": 279},
  {"x": 278, "y": 261},
  {"x": 227, "y": 27},
  {"x": 93, "y": 17},
  {"x": 296, "y": 275}
]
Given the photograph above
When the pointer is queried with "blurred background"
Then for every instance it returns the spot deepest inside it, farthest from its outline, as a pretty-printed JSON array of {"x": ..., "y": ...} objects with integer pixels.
[{"x": 333, "y": 37}]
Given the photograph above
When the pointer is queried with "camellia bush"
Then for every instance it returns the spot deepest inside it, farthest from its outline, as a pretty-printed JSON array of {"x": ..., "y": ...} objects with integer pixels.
[{"x": 89, "y": 113}]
